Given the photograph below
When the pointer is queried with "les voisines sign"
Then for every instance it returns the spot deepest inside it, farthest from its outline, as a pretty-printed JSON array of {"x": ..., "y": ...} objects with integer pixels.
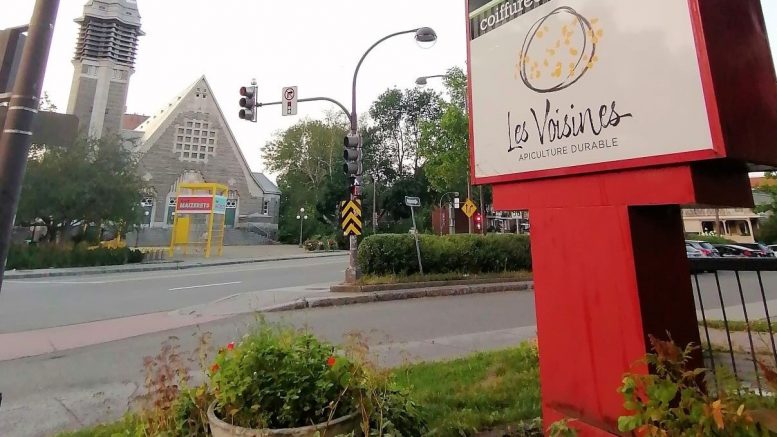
[{"x": 560, "y": 84}]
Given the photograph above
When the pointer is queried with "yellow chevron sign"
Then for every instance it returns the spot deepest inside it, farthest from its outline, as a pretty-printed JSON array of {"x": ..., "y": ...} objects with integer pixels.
[{"x": 351, "y": 217}]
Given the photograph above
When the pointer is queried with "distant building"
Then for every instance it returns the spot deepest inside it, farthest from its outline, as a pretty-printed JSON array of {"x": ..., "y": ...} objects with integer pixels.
[
  {"x": 188, "y": 140},
  {"x": 738, "y": 224},
  {"x": 104, "y": 62}
]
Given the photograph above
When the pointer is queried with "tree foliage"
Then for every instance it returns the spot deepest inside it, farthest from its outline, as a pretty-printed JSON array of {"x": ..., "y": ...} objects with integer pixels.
[
  {"x": 308, "y": 158},
  {"x": 445, "y": 142},
  {"x": 415, "y": 143},
  {"x": 397, "y": 117},
  {"x": 87, "y": 182}
]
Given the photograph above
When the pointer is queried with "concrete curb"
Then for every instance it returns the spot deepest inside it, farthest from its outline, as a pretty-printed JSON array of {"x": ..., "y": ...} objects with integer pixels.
[
  {"x": 405, "y": 294},
  {"x": 344, "y": 288},
  {"x": 171, "y": 265}
]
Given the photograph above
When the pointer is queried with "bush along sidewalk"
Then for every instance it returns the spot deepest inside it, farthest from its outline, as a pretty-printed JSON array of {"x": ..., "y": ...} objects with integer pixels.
[
  {"x": 277, "y": 377},
  {"x": 56, "y": 256},
  {"x": 395, "y": 254}
]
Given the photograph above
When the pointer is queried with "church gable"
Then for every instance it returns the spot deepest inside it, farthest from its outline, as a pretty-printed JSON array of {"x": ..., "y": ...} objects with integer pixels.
[{"x": 191, "y": 134}]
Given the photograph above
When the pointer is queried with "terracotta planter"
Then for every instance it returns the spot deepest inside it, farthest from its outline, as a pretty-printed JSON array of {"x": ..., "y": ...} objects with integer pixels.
[{"x": 343, "y": 425}]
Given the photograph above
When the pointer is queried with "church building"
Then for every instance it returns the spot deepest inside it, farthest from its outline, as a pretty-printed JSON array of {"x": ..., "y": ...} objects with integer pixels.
[{"x": 188, "y": 140}]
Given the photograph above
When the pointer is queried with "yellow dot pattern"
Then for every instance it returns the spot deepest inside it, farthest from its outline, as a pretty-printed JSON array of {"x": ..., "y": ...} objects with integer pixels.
[{"x": 557, "y": 62}]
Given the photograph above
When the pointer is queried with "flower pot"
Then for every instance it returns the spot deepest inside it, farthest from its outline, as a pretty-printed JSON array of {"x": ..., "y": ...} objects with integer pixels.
[{"x": 343, "y": 425}]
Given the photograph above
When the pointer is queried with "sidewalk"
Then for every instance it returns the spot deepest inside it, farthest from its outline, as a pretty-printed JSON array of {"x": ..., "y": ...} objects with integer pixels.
[
  {"x": 232, "y": 255},
  {"x": 37, "y": 342}
]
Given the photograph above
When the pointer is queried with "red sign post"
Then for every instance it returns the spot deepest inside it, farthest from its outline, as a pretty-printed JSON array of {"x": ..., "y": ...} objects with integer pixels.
[{"x": 603, "y": 118}]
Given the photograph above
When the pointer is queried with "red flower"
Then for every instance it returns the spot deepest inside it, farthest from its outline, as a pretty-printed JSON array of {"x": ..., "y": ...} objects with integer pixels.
[
  {"x": 231, "y": 346},
  {"x": 214, "y": 368},
  {"x": 331, "y": 361}
]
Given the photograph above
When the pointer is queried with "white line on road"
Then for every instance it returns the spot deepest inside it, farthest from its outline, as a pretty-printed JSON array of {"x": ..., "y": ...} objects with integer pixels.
[{"x": 205, "y": 286}]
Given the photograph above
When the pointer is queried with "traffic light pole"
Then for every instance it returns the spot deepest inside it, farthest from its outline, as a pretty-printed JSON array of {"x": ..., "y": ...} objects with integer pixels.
[
  {"x": 16, "y": 136},
  {"x": 312, "y": 99}
]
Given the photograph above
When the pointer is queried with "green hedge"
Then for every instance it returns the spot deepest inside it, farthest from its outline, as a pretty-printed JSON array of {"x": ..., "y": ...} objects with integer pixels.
[
  {"x": 391, "y": 254},
  {"x": 48, "y": 256}
]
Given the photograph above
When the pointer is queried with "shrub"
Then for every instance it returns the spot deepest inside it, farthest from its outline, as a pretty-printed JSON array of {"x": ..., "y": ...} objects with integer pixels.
[
  {"x": 277, "y": 379},
  {"x": 676, "y": 400},
  {"x": 80, "y": 255},
  {"x": 390, "y": 254},
  {"x": 710, "y": 238}
]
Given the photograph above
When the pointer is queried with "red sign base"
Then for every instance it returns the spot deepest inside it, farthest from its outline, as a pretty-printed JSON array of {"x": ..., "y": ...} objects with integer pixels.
[{"x": 610, "y": 269}]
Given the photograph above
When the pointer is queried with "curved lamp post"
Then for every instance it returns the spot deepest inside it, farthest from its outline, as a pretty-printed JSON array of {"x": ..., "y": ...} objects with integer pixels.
[
  {"x": 422, "y": 35},
  {"x": 424, "y": 80}
]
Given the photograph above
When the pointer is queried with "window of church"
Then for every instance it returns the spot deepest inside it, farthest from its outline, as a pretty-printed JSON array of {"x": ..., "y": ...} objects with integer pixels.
[
  {"x": 266, "y": 208},
  {"x": 200, "y": 141}
]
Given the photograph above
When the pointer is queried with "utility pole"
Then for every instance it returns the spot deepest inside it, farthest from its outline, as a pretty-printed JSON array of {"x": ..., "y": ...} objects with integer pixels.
[
  {"x": 16, "y": 136},
  {"x": 374, "y": 204}
]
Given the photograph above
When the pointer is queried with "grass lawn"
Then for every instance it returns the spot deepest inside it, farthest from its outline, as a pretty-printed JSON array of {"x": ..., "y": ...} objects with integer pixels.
[
  {"x": 476, "y": 393},
  {"x": 755, "y": 325},
  {"x": 460, "y": 398},
  {"x": 404, "y": 279}
]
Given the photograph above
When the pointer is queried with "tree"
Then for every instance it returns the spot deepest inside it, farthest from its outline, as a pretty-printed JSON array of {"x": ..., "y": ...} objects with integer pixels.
[
  {"x": 308, "y": 158},
  {"x": 396, "y": 120},
  {"x": 444, "y": 144},
  {"x": 767, "y": 231},
  {"x": 87, "y": 182}
]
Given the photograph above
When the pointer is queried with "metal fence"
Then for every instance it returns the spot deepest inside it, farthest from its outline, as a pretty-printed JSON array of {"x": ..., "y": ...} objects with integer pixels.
[{"x": 735, "y": 300}]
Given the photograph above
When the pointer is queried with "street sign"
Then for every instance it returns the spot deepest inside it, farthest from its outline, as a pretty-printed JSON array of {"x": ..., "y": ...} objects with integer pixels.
[
  {"x": 469, "y": 208},
  {"x": 351, "y": 218},
  {"x": 289, "y": 97},
  {"x": 413, "y": 202}
]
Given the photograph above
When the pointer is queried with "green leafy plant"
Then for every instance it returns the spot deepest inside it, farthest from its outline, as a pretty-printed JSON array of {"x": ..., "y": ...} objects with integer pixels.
[
  {"x": 562, "y": 429},
  {"x": 277, "y": 378},
  {"x": 44, "y": 256},
  {"x": 675, "y": 400},
  {"x": 395, "y": 254}
]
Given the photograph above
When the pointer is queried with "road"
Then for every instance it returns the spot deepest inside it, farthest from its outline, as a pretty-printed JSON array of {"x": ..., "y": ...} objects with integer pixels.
[
  {"x": 35, "y": 304},
  {"x": 81, "y": 386},
  {"x": 730, "y": 298}
]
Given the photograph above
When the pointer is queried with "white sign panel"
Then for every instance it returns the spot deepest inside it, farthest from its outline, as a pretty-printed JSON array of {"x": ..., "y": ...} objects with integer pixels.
[
  {"x": 289, "y": 99},
  {"x": 592, "y": 83}
]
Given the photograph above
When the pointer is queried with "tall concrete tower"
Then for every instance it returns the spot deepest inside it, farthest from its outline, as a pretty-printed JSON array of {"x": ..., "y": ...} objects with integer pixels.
[{"x": 104, "y": 62}]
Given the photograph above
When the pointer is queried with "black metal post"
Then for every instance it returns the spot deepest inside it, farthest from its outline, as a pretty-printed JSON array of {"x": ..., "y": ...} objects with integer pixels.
[{"x": 16, "y": 135}]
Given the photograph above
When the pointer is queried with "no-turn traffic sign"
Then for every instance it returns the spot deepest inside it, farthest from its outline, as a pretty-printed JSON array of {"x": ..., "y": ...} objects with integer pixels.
[{"x": 289, "y": 97}]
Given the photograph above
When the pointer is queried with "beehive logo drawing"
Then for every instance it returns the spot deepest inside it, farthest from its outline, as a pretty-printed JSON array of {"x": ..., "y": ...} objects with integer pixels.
[{"x": 559, "y": 50}]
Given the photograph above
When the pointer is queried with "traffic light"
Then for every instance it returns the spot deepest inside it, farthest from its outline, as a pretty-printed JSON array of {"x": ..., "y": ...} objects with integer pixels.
[
  {"x": 248, "y": 102},
  {"x": 478, "y": 221},
  {"x": 352, "y": 150}
]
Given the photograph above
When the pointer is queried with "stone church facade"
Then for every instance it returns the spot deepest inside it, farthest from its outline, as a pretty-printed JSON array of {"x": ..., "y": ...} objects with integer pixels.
[{"x": 189, "y": 140}]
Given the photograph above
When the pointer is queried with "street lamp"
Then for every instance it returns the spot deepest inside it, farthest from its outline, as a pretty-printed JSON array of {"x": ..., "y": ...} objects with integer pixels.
[
  {"x": 423, "y": 35},
  {"x": 424, "y": 80},
  {"x": 301, "y": 217},
  {"x": 451, "y": 223}
]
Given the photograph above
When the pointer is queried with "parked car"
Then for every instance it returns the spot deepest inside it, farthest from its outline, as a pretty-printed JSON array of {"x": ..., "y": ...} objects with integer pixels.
[
  {"x": 762, "y": 250},
  {"x": 736, "y": 251},
  {"x": 693, "y": 252},
  {"x": 705, "y": 248}
]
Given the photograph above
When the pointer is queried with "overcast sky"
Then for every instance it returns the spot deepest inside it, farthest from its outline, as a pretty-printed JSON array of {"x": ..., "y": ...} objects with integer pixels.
[{"x": 312, "y": 44}]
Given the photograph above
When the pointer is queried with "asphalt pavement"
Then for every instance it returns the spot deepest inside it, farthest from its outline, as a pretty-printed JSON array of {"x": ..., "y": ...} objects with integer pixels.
[
  {"x": 29, "y": 304},
  {"x": 71, "y": 389}
]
